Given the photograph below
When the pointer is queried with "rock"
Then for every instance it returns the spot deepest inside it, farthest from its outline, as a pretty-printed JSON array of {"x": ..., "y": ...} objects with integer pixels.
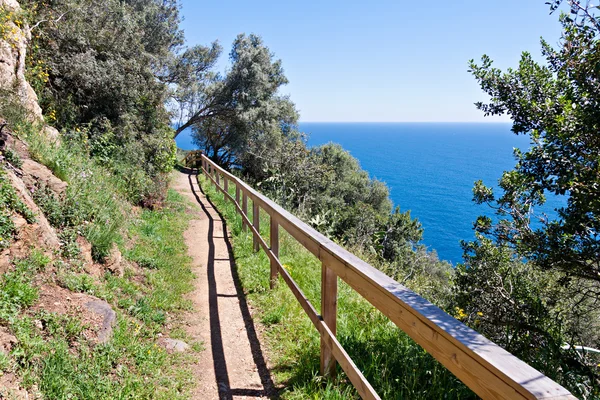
[
  {"x": 86, "y": 249},
  {"x": 19, "y": 222},
  {"x": 12, "y": 64},
  {"x": 114, "y": 262},
  {"x": 11, "y": 388},
  {"x": 35, "y": 172},
  {"x": 51, "y": 133},
  {"x": 7, "y": 341},
  {"x": 102, "y": 308},
  {"x": 173, "y": 345},
  {"x": 41, "y": 234}
]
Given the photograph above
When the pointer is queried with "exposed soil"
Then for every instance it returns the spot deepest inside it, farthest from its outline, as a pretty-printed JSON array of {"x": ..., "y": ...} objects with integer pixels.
[{"x": 232, "y": 366}]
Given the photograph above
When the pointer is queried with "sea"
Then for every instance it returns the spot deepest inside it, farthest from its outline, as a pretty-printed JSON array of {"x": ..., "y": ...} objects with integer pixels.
[{"x": 430, "y": 169}]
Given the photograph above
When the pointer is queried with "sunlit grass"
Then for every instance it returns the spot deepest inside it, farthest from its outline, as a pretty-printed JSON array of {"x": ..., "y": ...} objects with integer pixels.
[{"x": 395, "y": 365}]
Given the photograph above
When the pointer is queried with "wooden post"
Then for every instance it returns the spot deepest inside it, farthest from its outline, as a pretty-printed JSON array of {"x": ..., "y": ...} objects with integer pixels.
[
  {"x": 256, "y": 223},
  {"x": 244, "y": 210},
  {"x": 274, "y": 237},
  {"x": 226, "y": 185},
  {"x": 329, "y": 288},
  {"x": 237, "y": 193},
  {"x": 218, "y": 177}
]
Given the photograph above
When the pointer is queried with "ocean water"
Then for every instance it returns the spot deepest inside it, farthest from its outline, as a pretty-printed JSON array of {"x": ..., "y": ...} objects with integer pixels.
[{"x": 429, "y": 168}]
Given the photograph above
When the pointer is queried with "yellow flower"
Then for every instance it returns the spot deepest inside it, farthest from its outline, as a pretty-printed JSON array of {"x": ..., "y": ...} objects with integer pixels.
[{"x": 480, "y": 313}]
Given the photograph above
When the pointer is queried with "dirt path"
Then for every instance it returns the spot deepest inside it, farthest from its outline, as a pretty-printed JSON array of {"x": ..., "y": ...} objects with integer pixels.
[{"x": 232, "y": 366}]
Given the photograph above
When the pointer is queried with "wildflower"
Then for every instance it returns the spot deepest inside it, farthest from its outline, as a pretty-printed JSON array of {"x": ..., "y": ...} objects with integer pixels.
[{"x": 480, "y": 313}]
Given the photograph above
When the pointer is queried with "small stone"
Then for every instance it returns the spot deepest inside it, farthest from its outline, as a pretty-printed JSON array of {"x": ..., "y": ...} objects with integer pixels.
[
  {"x": 173, "y": 345},
  {"x": 104, "y": 309}
]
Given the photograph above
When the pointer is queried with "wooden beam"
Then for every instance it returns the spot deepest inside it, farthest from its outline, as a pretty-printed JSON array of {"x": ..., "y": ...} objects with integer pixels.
[
  {"x": 256, "y": 224},
  {"x": 274, "y": 239},
  {"x": 244, "y": 211},
  {"x": 329, "y": 289}
]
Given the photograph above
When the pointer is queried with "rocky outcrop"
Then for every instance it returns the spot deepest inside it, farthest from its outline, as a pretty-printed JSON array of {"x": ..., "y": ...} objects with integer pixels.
[{"x": 13, "y": 50}]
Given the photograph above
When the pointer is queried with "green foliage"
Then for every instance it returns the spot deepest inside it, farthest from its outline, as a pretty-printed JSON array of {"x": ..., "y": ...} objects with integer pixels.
[
  {"x": 96, "y": 68},
  {"x": 13, "y": 158},
  {"x": 158, "y": 246},
  {"x": 241, "y": 112},
  {"x": 94, "y": 202},
  {"x": 530, "y": 283},
  {"x": 16, "y": 288},
  {"x": 557, "y": 106},
  {"x": 529, "y": 312},
  {"x": 53, "y": 353},
  {"x": 326, "y": 186}
]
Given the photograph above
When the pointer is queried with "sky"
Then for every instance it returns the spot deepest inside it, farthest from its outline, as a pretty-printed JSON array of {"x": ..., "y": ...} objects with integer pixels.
[{"x": 380, "y": 61}]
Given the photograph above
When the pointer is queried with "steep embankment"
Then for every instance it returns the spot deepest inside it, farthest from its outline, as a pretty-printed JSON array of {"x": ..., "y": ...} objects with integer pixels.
[{"x": 91, "y": 287}]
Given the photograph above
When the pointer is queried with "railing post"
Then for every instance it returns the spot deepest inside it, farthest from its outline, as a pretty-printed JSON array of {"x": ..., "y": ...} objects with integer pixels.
[
  {"x": 237, "y": 193},
  {"x": 225, "y": 185},
  {"x": 218, "y": 177},
  {"x": 255, "y": 223},
  {"x": 329, "y": 288},
  {"x": 274, "y": 237},
  {"x": 244, "y": 210}
]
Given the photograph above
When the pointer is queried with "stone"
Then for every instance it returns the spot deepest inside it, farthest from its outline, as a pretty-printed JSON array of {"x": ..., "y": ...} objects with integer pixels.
[
  {"x": 173, "y": 345},
  {"x": 114, "y": 262},
  {"x": 102, "y": 308},
  {"x": 12, "y": 64},
  {"x": 34, "y": 172},
  {"x": 7, "y": 341}
]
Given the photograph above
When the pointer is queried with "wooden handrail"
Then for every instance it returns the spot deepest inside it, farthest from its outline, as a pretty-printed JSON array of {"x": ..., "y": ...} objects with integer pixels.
[
  {"x": 192, "y": 158},
  {"x": 489, "y": 370}
]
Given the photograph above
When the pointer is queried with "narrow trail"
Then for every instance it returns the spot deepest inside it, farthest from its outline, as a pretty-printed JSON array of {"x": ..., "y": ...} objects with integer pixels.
[{"x": 232, "y": 366}]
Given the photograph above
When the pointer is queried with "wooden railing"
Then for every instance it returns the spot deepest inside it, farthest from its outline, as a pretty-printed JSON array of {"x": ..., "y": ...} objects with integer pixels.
[
  {"x": 192, "y": 159},
  {"x": 490, "y": 371}
]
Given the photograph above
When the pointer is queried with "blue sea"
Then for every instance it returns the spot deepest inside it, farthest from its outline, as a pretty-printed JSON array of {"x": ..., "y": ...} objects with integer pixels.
[{"x": 430, "y": 169}]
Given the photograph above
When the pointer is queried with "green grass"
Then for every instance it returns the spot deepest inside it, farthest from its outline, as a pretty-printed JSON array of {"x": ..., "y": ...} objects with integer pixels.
[
  {"x": 394, "y": 364},
  {"x": 53, "y": 354}
]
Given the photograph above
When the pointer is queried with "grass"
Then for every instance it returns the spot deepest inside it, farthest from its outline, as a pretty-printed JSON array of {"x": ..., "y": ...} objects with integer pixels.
[
  {"x": 53, "y": 355},
  {"x": 395, "y": 365}
]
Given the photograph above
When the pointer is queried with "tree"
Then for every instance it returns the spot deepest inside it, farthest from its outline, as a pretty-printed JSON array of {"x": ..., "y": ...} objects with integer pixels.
[
  {"x": 558, "y": 106},
  {"x": 104, "y": 61},
  {"x": 245, "y": 96},
  {"x": 528, "y": 282}
]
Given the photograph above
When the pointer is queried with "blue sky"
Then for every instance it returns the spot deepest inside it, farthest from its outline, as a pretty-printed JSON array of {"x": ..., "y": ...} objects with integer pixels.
[{"x": 379, "y": 60}]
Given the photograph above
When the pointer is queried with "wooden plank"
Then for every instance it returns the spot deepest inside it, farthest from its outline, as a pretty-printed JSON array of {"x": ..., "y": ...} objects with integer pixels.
[
  {"x": 360, "y": 383},
  {"x": 244, "y": 211},
  {"x": 329, "y": 290},
  {"x": 459, "y": 348},
  {"x": 486, "y": 368},
  {"x": 225, "y": 184},
  {"x": 256, "y": 224},
  {"x": 237, "y": 193},
  {"x": 274, "y": 239}
]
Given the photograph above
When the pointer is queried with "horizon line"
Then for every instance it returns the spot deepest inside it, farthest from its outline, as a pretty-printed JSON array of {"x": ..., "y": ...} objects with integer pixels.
[{"x": 407, "y": 122}]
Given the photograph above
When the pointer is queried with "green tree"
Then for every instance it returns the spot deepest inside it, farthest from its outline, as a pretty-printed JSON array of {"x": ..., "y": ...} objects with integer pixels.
[
  {"x": 105, "y": 62},
  {"x": 529, "y": 282},
  {"x": 225, "y": 111},
  {"x": 557, "y": 105}
]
